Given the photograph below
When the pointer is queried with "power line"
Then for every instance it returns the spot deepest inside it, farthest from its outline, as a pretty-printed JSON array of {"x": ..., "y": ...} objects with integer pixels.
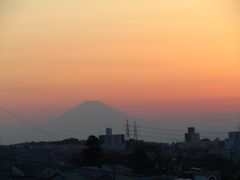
[
  {"x": 162, "y": 133},
  {"x": 177, "y": 130},
  {"x": 28, "y": 123}
]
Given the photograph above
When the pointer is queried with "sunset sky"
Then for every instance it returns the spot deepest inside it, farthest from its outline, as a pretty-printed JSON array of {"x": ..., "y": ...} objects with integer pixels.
[{"x": 145, "y": 57}]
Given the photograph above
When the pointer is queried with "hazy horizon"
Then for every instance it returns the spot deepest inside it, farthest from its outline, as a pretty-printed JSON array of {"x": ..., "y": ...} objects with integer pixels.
[{"x": 63, "y": 126}]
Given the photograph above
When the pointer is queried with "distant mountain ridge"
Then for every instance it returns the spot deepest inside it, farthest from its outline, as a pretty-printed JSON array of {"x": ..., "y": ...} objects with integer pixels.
[
  {"x": 90, "y": 117},
  {"x": 88, "y": 107}
]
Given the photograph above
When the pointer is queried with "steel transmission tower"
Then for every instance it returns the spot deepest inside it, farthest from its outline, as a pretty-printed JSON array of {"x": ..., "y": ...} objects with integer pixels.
[
  {"x": 135, "y": 131},
  {"x": 127, "y": 130}
]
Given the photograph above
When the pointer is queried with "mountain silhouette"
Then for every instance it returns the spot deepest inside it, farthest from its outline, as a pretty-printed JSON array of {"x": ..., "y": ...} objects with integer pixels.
[{"x": 90, "y": 117}]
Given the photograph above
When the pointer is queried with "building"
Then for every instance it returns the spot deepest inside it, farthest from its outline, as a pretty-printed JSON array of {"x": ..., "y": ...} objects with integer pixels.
[
  {"x": 198, "y": 174},
  {"x": 191, "y": 136},
  {"x": 234, "y": 144},
  {"x": 229, "y": 149},
  {"x": 110, "y": 141},
  {"x": 234, "y": 136}
]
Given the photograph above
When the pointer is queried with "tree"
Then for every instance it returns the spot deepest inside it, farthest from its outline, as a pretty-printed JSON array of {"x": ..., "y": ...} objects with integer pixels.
[
  {"x": 140, "y": 162},
  {"x": 93, "y": 152}
]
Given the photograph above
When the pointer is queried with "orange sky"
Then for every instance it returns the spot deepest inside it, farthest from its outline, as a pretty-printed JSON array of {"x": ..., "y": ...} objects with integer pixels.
[{"x": 165, "y": 54}]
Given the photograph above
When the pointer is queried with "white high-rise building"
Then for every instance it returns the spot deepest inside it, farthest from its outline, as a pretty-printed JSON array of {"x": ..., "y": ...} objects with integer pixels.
[
  {"x": 191, "y": 136},
  {"x": 110, "y": 141}
]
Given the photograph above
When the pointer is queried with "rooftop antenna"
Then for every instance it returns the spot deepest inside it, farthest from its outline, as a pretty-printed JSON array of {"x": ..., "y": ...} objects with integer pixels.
[
  {"x": 135, "y": 131},
  {"x": 127, "y": 130}
]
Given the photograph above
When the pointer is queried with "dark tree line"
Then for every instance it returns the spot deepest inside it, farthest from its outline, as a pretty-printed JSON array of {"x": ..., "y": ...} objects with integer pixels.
[{"x": 171, "y": 161}]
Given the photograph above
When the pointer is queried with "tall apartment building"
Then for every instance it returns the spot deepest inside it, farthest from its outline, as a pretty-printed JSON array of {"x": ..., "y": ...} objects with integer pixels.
[{"x": 191, "y": 136}]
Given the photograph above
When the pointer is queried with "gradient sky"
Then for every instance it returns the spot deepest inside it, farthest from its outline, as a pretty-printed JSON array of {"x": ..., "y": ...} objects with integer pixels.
[{"x": 143, "y": 57}]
